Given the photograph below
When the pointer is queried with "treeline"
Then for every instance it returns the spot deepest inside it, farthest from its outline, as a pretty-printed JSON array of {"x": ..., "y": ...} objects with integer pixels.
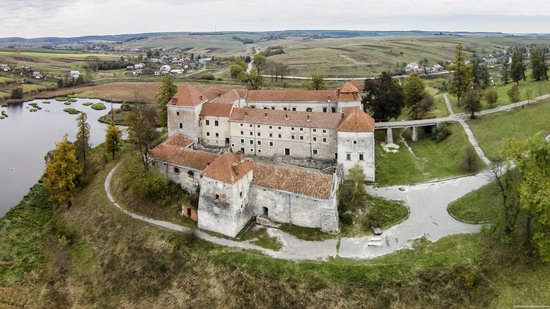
[
  {"x": 243, "y": 40},
  {"x": 273, "y": 50}
]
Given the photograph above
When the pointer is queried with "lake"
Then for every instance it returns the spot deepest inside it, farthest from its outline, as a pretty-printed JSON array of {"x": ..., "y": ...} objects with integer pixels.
[{"x": 26, "y": 137}]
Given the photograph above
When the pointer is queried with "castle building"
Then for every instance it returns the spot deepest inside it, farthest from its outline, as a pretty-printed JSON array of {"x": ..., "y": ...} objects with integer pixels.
[{"x": 233, "y": 126}]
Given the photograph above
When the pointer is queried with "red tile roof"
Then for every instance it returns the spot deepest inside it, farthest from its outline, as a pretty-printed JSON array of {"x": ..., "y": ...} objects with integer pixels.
[
  {"x": 228, "y": 168},
  {"x": 349, "y": 93},
  {"x": 213, "y": 93},
  {"x": 188, "y": 95},
  {"x": 286, "y": 118},
  {"x": 228, "y": 98},
  {"x": 216, "y": 109},
  {"x": 174, "y": 150},
  {"x": 291, "y": 95},
  {"x": 358, "y": 85},
  {"x": 356, "y": 120},
  {"x": 292, "y": 179}
]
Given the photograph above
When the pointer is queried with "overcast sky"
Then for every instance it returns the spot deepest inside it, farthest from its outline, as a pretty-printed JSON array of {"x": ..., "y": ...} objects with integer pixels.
[{"x": 38, "y": 18}]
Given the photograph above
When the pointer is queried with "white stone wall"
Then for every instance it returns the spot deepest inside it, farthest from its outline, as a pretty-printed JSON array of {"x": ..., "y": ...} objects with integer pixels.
[
  {"x": 319, "y": 107},
  {"x": 223, "y": 208},
  {"x": 272, "y": 140},
  {"x": 351, "y": 145},
  {"x": 215, "y": 135},
  {"x": 299, "y": 210},
  {"x": 187, "y": 178},
  {"x": 185, "y": 120}
]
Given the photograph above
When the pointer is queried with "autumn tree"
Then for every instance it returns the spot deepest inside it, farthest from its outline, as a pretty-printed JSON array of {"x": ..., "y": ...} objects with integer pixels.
[
  {"x": 462, "y": 80},
  {"x": 384, "y": 97},
  {"x": 318, "y": 81},
  {"x": 252, "y": 80},
  {"x": 514, "y": 94},
  {"x": 538, "y": 64},
  {"x": 62, "y": 171},
  {"x": 113, "y": 139},
  {"x": 517, "y": 68},
  {"x": 491, "y": 97},
  {"x": 82, "y": 143},
  {"x": 167, "y": 91},
  {"x": 142, "y": 131}
]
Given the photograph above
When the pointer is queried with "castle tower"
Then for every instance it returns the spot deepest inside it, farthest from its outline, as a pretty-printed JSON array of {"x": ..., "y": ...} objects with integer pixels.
[{"x": 184, "y": 112}]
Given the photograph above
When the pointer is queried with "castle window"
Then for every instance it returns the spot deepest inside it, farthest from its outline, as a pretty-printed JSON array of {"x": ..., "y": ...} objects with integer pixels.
[
  {"x": 242, "y": 141},
  {"x": 251, "y": 142},
  {"x": 294, "y": 109},
  {"x": 315, "y": 151},
  {"x": 314, "y": 139},
  {"x": 217, "y": 197},
  {"x": 279, "y": 135},
  {"x": 324, "y": 139},
  {"x": 279, "y": 128},
  {"x": 324, "y": 131},
  {"x": 259, "y": 142},
  {"x": 333, "y": 109},
  {"x": 176, "y": 170},
  {"x": 181, "y": 125},
  {"x": 355, "y": 142},
  {"x": 301, "y": 138},
  {"x": 271, "y": 144},
  {"x": 314, "y": 130},
  {"x": 207, "y": 133},
  {"x": 270, "y": 127},
  {"x": 292, "y": 136},
  {"x": 241, "y": 194},
  {"x": 285, "y": 109},
  {"x": 242, "y": 132},
  {"x": 207, "y": 122},
  {"x": 178, "y": 113},
  {"x": 259, "y": 150},
  {"x": 217, "y": 135},
  {"x": 258, "y": 126},
  {"x": 270, "y": 134},
  {"x": 292, "y": 128},
  {"x": 241, "y": 124},
  {"x": 348, "y": 156},
  {"x": 259, "y": 134},
  {"x": 251, "y": 126},
  {"x": 216, "y": 123},
  {"x": 251, "y": 150},
  {"x": 309, "y": 109},
  {"x": 273, "y": 107},
  {"x": 191, "y": 174},
  {"x": 324, "y": 109},
  {"x": 301, "y": 129},
  {"x": 361, "y": 157},
  {"x": 251, "y": 133}
]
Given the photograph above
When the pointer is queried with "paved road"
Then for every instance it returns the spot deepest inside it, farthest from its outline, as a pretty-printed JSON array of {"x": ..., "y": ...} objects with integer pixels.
[
  {"x": 448, "y": 104},
  {"x": 358, "y": 78},
  {"x": 428, "y": 218}
]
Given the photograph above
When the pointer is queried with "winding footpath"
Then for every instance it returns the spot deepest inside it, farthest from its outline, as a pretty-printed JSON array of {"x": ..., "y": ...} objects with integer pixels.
[{"x": 427, "y": 203}]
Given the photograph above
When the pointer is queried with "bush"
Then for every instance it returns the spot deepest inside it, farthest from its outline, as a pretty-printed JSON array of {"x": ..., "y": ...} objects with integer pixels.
[
  {"x": 98, "y": 106},
  {"x": 17, "y": 93},
  {"x": 346, "y": 218},
  {"x": 470, "y": 163},
  {"x": 207, "y": 77},
  {"x": 442, "y": 133}
]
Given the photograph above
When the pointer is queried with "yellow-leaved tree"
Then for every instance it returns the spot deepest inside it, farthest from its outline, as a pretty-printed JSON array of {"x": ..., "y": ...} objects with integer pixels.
[{"x": 62, "y": 171}]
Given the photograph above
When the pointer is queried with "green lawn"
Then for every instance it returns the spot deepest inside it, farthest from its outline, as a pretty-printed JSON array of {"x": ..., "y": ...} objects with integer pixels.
[
  {"x": 433, "y": 160},
  {"x": 479, "y": 206},
  {"x": 5, "y": 79},
  {"x": 492, "y": 130}
]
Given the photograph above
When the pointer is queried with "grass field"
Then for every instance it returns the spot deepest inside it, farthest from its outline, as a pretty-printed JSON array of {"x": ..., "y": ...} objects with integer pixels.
[
  {"x": 433, "y": 160},
  {"x": 492, "y": 130},
  {"x": 480, "y": 206}
]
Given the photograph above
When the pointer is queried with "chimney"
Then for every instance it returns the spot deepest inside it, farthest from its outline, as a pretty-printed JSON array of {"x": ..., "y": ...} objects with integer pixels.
[
  {"x": 286, "y": 116},
  {"x": 338, "y": 92},
  {"x": 265, "y": 115},
  {"x": 329, "y": 99},
  {"x": 245, "y": 114},
  {"x": 200, "y": 97},
  {"x": 308, "y": 118},
  {"x": 234, "y": 168}
]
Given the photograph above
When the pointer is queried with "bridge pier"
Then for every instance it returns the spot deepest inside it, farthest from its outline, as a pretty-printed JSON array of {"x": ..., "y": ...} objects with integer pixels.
[
  {"x": 389, "y": 136},
  {"x": 415, "y": 134}
]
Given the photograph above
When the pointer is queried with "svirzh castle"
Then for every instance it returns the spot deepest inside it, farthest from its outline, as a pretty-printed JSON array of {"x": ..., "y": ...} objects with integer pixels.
[{"x": 277, "y": 155}]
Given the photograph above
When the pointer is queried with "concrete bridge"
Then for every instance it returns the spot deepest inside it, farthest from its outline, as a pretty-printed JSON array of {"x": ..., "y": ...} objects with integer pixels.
[{"x": 414, "y": 124}]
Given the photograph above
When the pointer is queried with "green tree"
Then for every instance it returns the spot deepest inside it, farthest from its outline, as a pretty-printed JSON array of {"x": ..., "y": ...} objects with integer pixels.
[
  {"x": 505, "y": 72},
  {"x": 142, "y": 131},
  {"x": 514, "y": 94},
  {"x": 260, "y": 62},
  {"x": 113, "y": 139},
  {"x": 417, "y": 100},
  {"x": 352, "y": 193},
  {"x": 462, "y": 76},
  {"x": 481, "y": 78},
  {"x": 251, "y": 79},
  {"x": 62, "y": 171},
  {"x": 318, "y": 81},
  {"x": 167, "y": 91},
  {"x": 17, "y": 93},
  {"x": 82, "y": 143},
  {"x": 472, "y": 103},
  {"x": 517, "y": 68},
  {"x": 491, "y": 96},
  {"x": 532, "y": 160},
  {"x": 506, "y": 181},
  {"x": 384, "y": 97},
  {"x": 538, "y": 64}
]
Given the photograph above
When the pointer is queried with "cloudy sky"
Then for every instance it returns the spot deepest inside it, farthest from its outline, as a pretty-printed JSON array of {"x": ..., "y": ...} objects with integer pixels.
[{"x": 37, "y": 18}]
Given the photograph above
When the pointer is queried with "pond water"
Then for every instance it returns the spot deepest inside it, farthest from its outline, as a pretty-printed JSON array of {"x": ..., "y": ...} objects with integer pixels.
[{"x": 26, "y": 137}]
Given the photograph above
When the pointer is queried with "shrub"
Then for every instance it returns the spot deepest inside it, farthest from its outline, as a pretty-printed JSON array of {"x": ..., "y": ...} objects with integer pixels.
[
  {"x": 17, "y": 93},
  {"x": 207, "y": 77},
  {"x": 469, "y": 161},
  {"x": 442, "y": 133},
  {"x": 98, "y": 106},
  {"x": 346, "y": 218}
]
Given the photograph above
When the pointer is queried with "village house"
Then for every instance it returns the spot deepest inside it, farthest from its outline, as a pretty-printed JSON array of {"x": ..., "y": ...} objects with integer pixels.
[
  {"x": 216, "y": 134},
  {"x": 5, "y": 67},
  {"x": 74, "y": 74}
]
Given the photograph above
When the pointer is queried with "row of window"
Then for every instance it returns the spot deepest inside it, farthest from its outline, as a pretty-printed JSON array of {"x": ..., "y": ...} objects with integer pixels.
[
  {"x": 278, "y": 128},
  {"x": 349, "y": 156},
  {"x": 280, "y": 136},
  {"x": 216, "y": 122},
  {"x": 309, "y": 109}
]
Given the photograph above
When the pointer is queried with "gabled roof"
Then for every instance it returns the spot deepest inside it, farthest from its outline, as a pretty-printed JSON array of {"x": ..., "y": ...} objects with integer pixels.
[
  {"x": 286, "y": 118},
  {"x": 291, "y": 95},
  {"x": 358, "y": 85},
  {"x": 293, "y": 179},
  {"x": 213, "y": 93},
  {"x": 356, "y": 120},
  {"x": 228, "y": 168},
  {"x": 216, "y": 109},
  {"x": 229, "y": 97},
  {"x": 174, "y": 150},
  {"x": 188, "y": 95}
]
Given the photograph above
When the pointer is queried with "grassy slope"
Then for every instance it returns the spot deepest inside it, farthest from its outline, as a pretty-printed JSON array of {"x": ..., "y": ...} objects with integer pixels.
[
  {"x": 95, "y": 255},
  {"x": 479, "y": 206},
  {"x": 492, "y": 130},
  {"x": 433, "y": 160}
]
